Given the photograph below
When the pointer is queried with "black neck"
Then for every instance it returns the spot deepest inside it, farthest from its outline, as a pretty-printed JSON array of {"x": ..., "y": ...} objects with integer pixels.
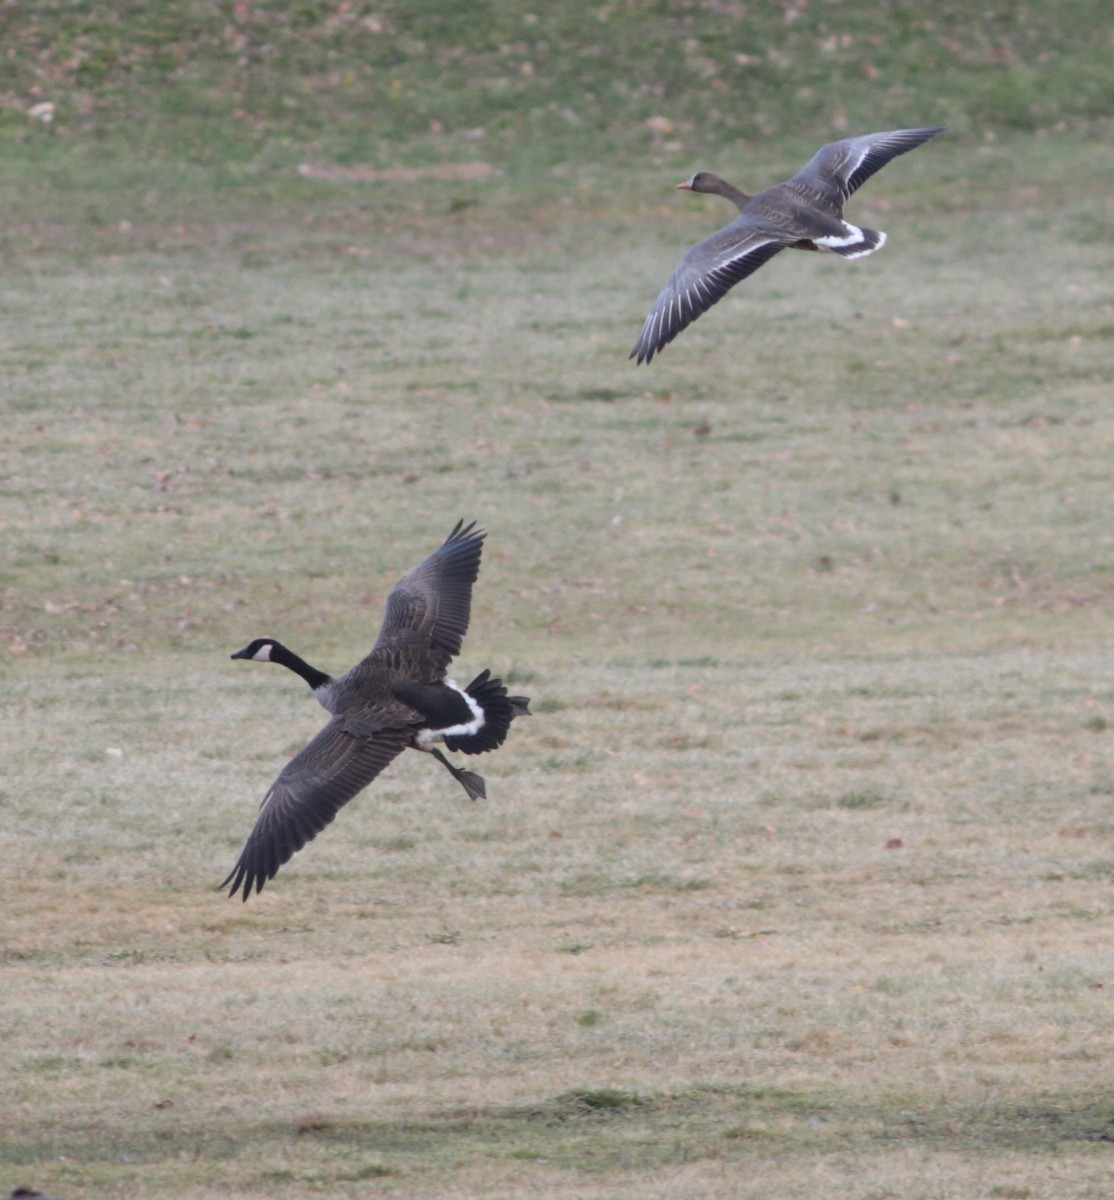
[{"x": 287, "y": 658}]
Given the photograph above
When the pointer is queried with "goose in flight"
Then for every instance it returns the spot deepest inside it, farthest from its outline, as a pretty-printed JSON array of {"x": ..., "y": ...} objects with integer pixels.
[
  {"x": 396, "y": 698},
  {"x": 804, "y": 213}
]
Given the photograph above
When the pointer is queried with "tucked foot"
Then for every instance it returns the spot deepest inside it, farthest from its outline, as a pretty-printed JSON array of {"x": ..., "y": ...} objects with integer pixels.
[{"x": 472, "y": 783}]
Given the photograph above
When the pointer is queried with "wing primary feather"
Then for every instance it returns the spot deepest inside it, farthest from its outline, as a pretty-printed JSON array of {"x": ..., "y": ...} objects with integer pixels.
[{"x": 308, "y": 793}]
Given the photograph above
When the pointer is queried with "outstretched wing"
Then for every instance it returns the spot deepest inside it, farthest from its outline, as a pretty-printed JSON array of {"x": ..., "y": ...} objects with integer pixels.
[
  {"x": 309, "y": 792},
  {"x": 429, "y": 608},
  {"x": 840, "y": 168},
  {"x": 706, "y": 274}
]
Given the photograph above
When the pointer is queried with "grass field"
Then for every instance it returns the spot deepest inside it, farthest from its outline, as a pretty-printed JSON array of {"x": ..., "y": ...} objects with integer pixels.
[{"x": 798, "y": 883}]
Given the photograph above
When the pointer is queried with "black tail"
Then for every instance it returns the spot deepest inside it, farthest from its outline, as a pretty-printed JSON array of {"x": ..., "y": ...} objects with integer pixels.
[
  {"x": 859, "y": 242},
  {"x": 499, "y": 711}
]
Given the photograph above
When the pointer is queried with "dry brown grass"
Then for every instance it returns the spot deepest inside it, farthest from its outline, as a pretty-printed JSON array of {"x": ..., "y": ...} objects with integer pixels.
[{"x": 799, "y": 882}]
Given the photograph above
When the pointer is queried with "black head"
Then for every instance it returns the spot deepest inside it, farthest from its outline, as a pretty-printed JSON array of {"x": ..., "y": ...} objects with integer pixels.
[{"x": 261, "y": 650}]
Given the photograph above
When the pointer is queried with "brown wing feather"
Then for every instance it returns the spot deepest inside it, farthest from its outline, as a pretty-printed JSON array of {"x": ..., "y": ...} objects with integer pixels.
[
  {"x": 430, "y": 607},
  {"x": 308, "y": 793}
]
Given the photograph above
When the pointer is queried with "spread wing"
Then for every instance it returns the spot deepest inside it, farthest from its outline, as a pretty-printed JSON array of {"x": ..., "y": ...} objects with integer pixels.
[
  {"x": 706, "y": 274},
  {"x": 429, "y": 608},
  {"x": 309, "y": 792},
  {"x": 840, "y": 168}
]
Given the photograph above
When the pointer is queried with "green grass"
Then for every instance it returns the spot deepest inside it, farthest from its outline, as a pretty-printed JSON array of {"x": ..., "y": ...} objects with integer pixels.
[
  {"x": 349, "y": 78},
  {"x": 794, "y": 885},
  {"x": 159, "y": 107}
]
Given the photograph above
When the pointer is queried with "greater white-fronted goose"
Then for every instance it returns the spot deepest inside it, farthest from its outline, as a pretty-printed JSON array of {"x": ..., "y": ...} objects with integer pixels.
[
  {"x": 398, "y": 697},
  {"x": 804, "y": 213}
]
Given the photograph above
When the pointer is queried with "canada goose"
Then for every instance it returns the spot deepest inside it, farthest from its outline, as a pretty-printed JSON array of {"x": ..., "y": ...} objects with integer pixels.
[
  {"x": 397, "y": 697},
  {"x": 804, "y": 213}
]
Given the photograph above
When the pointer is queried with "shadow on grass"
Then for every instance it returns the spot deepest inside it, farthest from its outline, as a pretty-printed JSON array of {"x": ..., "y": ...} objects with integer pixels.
[{"x": 597, "y": 1130}]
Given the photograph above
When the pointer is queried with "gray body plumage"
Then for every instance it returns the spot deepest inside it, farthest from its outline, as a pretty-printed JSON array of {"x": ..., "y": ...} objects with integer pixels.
[{"x": 804, "y": 213}]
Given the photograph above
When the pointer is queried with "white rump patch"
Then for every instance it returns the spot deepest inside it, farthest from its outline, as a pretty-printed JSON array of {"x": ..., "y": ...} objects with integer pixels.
[
  {"x": 427, "y": 737},
  {"x": 869, "y": 249},
  {"x": 853, "y": 236}
]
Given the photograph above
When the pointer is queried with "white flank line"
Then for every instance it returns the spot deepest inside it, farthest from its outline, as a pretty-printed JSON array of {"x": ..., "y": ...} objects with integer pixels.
[{"x": 427, "y": 737}]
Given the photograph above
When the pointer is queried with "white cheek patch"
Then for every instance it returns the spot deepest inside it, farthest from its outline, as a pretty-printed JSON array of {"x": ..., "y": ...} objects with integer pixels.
[{"x": 263, "y": 654}]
